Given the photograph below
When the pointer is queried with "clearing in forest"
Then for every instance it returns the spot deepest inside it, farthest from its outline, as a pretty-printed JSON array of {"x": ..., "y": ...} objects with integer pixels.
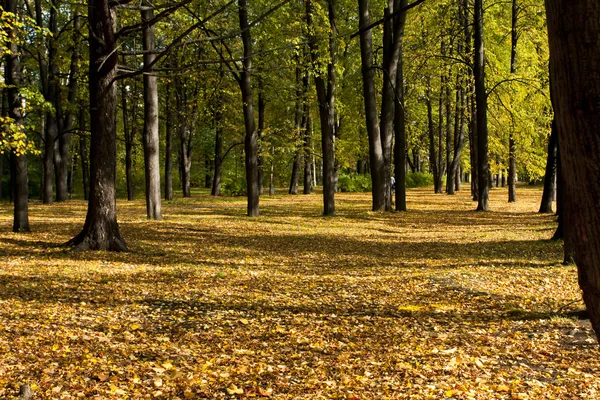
[{"x": 437, "y": 302}]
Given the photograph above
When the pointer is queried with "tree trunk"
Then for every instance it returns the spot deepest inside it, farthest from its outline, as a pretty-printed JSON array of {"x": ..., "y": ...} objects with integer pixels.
[
  {"x": 185, "y": 162},
  {"x": 574, "y": 37},
  {"x": 481, "y": 113},
  {"x": 433, "y": 165},
  {"x": 101, "y": 231},
  {"x": 168, "y": 147},
  {"x": 150, "y": 134},
  {"x": 512, "y": 148},
  {"x": 326, "y": 99},
  {"x": 550, "y": 176},
  {"x": 251, "y": 138},
  {"x": 307, "y": 149},
  {"x": 261, "y": 127},
  {"x": 18, "y": 161},
  {"x": 400, "y": 117}
]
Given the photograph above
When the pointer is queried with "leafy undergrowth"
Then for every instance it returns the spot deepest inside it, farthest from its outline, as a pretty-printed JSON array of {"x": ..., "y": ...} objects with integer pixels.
[{"x": 440, "y": 302}]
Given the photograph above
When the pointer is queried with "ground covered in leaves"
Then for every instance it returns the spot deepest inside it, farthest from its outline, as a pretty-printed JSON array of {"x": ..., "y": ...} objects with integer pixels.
[{"x": 439, "y": 302}]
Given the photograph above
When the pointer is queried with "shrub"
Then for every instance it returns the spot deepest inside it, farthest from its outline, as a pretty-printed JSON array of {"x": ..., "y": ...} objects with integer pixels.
[
  {"x": 354, "y": 183},
  {"x": 233, "y": 187},
  {"x": 418, "y": 179}
]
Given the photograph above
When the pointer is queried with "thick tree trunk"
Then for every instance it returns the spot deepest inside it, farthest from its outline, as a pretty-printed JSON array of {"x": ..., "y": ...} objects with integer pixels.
[
  {"x": 150, "y": 134},
  {"x": 550, "y": 176},
  {"x": 481, "y": 113},
  {"x": 18, "y": 161},
  {"x": 168, "y": 148},
  {"x": 101, "y": 231},
  {"x": 574, "y": 37},
  {"x": 251, "y": 138}
]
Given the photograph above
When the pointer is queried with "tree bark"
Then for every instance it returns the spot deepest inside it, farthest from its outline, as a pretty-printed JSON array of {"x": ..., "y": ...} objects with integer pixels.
[
  {"x": 150, "y": 133},
  {"x": 18, "y": 161},
  {"x": 326, "y": 100},
  {"x": 574, "y": 37},
  {"x": 550, "y": 176},
  {"x": 376, "y": 160},
  {"x": 483, "y": 167},
  {"x": 216, "y": 183},
  {"x": 512, "y": 147},
  {"x": 400, "y": 116},
  {"x": 101, "y": 231},
  {"x": 251, "y": 138}
]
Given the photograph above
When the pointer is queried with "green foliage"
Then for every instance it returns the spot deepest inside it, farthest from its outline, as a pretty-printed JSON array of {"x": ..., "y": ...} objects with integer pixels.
[
  {"x": 354, "y": 183},
  {"x": 418, "y": 179},
  {"x": 233, "y": 187}
]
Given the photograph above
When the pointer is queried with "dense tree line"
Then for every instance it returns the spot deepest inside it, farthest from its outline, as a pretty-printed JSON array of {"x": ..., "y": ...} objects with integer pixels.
[{"x": 232, "y": 95}]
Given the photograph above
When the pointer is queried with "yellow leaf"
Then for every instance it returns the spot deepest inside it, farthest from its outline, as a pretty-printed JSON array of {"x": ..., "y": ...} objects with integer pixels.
[{"x": 233, "y": 389}]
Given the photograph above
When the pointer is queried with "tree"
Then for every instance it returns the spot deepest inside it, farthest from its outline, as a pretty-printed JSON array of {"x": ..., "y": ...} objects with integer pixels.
[
  {"x": 18, "y": 159},
  {"x": 574, "y": 38},
  {"x": 481, "y": 112},
  {"x": 101, "y": 231},
  {"x": 150, "y": 135}
]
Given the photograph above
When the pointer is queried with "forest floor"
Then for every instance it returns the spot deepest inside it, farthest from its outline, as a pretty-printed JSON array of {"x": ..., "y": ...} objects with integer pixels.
[{"x": 439, "y": 302}]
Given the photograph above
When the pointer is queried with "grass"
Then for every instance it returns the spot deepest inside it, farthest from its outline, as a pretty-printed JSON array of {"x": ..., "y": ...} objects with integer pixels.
[{"x": 439, "y": 302}]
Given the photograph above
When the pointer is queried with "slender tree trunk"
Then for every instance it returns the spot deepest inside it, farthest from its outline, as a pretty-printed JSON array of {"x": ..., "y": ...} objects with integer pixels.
[
  {"x": 307, "y": 151},
  {"x": 184, "y": 127},
  {"x": 168, "y": 147},
  {"x": 101, "y": 231},
  {"x": 376, "y": 160},
  {"x": 550, "y": 176},
  {"x": 326, "y": 100},
  {"x": 481, "y": 116},
  {"x": 251, "y": 139},
  {"x": 150, "y": 134},
  {"x": 512, "y": 147},
  {"x": 399, "y": 116},
  {"x": 431, "y": 130}
]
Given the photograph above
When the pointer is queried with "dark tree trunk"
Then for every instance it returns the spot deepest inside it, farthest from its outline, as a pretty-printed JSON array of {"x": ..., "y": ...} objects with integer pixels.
[
  {"x": 251, "y": 138},
  {"x": 168, "y": 147},
  {"x": 574, "y": 37},
  {"x": 512, "y": 147},
  {"x": 101, "y": 231},
  {"x": 18, "y": 161},
  {"x": 453, "y": 182},
  {"x": 83, "y": 154},
  {"x": 400, "y": 117},
  {"x": 150, "y": 133},
  {"x": 483, "y": 167},
  {"x": 326, "y": 100},
  {"x": 550, "y": 176},
  {"x": 376, "y": 158}
]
